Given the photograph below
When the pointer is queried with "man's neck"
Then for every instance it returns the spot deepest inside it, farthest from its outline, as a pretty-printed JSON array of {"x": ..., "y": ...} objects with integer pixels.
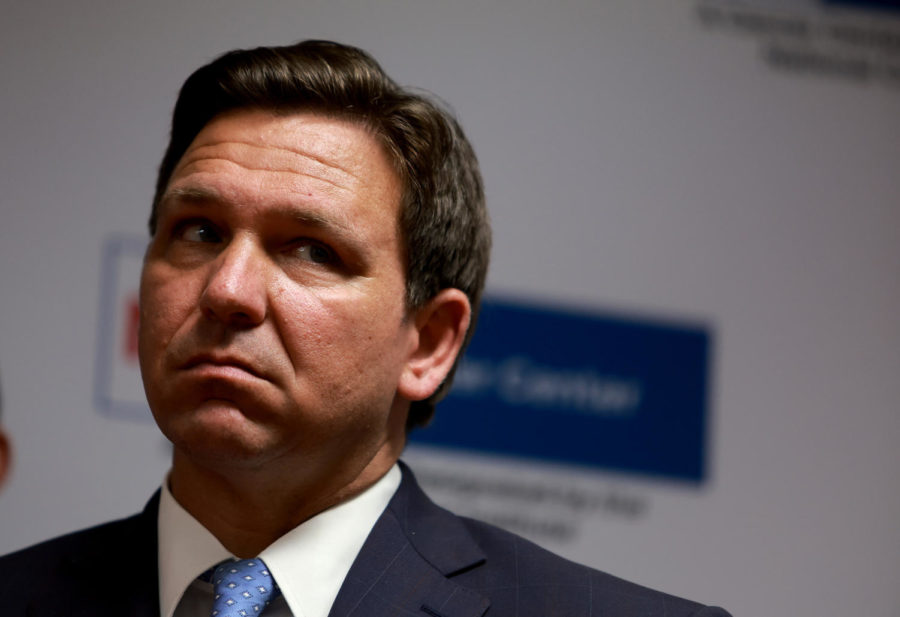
[{"x": 248, "y": 509}]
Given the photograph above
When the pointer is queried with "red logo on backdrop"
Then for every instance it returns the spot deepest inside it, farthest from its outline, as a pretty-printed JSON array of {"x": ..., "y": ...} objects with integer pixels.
[
  {"x": 118, "y": 389},
  {"x": 130, "y": 332}
]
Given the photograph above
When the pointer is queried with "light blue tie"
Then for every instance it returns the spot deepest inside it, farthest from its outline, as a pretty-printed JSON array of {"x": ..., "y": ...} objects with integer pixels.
[{"x": 242, "y": 588}]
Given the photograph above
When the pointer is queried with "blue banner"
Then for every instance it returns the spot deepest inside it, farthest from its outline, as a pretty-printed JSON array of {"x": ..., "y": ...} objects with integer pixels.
[
  {"x": 887, "y": 5},
  {"x": 609, "y": 392}
]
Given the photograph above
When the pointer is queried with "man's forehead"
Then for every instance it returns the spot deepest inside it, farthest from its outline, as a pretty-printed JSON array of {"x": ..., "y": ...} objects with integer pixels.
[
  {"x": 303, "y": 167},
  {"x": 336, "y": 150}
]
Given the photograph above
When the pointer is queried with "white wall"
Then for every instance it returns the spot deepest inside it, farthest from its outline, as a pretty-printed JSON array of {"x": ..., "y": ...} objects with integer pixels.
[{"x": 634, "y": 161}]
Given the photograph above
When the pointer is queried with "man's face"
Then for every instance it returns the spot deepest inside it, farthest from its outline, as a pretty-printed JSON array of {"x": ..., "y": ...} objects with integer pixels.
[{"x": 273, "y": 323}]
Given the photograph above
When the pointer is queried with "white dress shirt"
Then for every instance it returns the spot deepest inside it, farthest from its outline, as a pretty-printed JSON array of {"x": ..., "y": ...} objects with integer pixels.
[{"x": 309, "y": 563}]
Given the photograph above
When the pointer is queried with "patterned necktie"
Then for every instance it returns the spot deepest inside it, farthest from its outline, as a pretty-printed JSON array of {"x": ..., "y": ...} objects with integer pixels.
[{"x": 242, "y": 588}]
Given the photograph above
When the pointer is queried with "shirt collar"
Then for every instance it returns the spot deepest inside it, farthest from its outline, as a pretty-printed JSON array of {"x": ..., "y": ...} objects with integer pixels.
[{"x": 309, "y": 562}]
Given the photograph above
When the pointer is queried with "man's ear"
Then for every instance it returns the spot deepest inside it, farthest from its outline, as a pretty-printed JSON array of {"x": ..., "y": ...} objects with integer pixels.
[{"x": 441, "y": 327}]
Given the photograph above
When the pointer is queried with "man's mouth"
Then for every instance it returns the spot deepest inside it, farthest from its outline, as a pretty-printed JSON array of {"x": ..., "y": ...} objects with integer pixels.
[{"x": 220, "y": 363}]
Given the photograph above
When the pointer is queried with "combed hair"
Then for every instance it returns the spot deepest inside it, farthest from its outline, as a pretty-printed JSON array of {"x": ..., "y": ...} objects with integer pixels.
[{"x": 443, "y": 220}]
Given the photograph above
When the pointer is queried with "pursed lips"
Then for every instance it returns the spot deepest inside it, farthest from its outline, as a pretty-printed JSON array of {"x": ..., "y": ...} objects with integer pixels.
[{"x": 224, "y": 361}]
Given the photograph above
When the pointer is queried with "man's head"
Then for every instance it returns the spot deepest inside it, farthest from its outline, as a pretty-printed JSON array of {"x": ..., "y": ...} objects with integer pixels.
[
  {"x": 319, "y": 241},
  {"x": 443, "y": 225},
  {"x": 5, "y": 453}
]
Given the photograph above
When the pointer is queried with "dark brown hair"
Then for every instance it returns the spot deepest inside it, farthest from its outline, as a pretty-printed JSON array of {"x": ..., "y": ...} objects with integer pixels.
[{"x": 443, "y": 220}]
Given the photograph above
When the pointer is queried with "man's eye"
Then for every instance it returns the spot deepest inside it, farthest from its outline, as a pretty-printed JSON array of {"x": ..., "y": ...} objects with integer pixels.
[
  {"x": 198, "y": 231},
  {"x": 314, "y": 252}
]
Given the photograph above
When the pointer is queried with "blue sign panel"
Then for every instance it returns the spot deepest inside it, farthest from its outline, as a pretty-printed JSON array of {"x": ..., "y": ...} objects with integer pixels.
[
  {"x": 888, "y": 5},
  {"x": 594, "y": 390}
]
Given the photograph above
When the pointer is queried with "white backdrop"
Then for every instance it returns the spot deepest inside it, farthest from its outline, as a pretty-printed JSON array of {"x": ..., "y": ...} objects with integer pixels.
[{"x": 642, "y": 157}]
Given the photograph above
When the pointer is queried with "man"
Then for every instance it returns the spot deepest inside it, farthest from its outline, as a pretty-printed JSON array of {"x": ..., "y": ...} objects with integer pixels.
[
  {"x": 319, "y": 246},
  {"x": 5, "y": 456},
  {"x": 5, "y": 453}
]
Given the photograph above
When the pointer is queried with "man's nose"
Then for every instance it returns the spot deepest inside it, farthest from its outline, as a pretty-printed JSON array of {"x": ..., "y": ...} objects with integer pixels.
[{"x": 235, "y": 292}]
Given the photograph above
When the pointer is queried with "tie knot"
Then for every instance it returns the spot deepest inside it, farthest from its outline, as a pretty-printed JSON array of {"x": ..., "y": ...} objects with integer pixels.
[{"x": 242, "y": 588}]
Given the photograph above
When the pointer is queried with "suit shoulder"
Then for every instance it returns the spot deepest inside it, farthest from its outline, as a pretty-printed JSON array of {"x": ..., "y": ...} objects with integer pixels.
[
  {"x": 522, "y": 576},
  {"x": 58, "y": 576},
  {"x": 56, "y": 559},
  {"x": 43, "y": 554}
]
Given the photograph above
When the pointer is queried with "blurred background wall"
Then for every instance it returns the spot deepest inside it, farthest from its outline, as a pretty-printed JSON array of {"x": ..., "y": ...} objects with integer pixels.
[{"x": 733, "y": 165}]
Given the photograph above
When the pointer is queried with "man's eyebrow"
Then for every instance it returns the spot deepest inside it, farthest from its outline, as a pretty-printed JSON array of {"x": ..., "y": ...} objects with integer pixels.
[
  {"x": 316, "y": 221},
  {"x": 308, "y": 218},
  {"x": 190, "y": 194}
]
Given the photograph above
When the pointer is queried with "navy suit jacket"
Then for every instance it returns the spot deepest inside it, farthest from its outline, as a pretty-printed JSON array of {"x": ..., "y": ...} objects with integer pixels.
[{"x": 419, "y": 560}]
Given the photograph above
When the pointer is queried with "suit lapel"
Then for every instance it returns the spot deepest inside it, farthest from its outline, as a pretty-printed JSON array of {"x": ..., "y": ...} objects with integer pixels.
[{"x": 407, "y": 563}]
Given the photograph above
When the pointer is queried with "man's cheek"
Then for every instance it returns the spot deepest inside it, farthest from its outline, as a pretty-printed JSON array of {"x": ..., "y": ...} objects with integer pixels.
[{"x": 165, "y": 299}]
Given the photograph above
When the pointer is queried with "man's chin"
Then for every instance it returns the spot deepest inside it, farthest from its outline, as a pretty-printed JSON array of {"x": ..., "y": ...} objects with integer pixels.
[{"x": 219, "y": 433}]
